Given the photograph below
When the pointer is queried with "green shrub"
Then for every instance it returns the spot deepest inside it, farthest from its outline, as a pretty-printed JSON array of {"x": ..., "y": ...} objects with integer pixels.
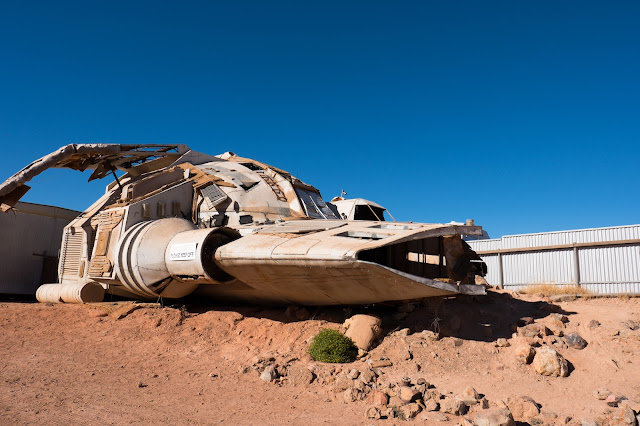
[{"x": 332, "y": 346}]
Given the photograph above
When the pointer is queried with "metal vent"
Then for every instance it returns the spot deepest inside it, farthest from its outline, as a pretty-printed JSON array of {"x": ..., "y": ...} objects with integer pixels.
[
  {"x": 71, "y": 254},
  {"x": 212, "y": 195}
]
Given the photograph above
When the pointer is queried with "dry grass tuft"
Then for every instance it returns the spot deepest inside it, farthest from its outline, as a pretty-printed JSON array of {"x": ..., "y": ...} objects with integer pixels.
[{"x": 555, "y": 290}]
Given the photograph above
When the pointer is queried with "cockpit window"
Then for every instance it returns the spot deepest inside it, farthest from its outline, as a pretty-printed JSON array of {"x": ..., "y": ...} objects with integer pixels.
[
  {"x": 367, "y": 212},
  {"x": 313, "y": 205}
]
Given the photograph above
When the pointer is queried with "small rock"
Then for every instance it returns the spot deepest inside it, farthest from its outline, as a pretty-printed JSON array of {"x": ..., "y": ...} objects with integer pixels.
[
  {"x": 453, "y": 406},
  {"x": 377, "y": 397},
  {"x": 434, "y": 416},
  {"x": 522, "y": 408},
  {"x": 368, "y": 376},
  {"x": 141, "y": 385},
  {"x": 410, "y": 410},
  {"x": 593, "y": 324},
  {"x": 533, "y": 330},
  {"x": 269, "y": 374},
  {"x": 601, "y": 393},
  {"x": 524, "y": 353},
  {"x": 588, "y": 422},
  {"x": 395, "y": 401},
  {"x": 494, "y": 417},
  {"x": 353, "y": 374},
  {"x": 613, "y": 400},
  {"x": 471, "y": 393},
  {"x": 431, "y": 405},
  {"x": 299, "y": 375},
  {"x": 524, "y": 321},
  {"x": 457, "y": 342},
  {"x": 373, "y": 413},
  {"x": 351, "y": 395},
  {"x": 562, "y": 318},
  {"x": 502, "y": 343},
  {"x": 408, "y": 394},
  {"x": 556, "y": 327},
  {"x": 548, "y": 362},
  {"x": 381, "y": 363},
  {"x": 623, "y": 416},
  {"x": 574, "y": 340},
  {"x": 422, "y": 381},
  {"x": 630, "y": 324}
]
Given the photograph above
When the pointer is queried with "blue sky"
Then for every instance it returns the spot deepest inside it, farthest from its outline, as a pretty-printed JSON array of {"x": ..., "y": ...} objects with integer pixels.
[{"x": 524, "y": 116}]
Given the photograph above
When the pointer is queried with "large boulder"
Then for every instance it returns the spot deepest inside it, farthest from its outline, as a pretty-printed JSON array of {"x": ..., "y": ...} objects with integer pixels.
[
  {"x": 363, "y": 330},
  {"x": 548, "y": 362}
]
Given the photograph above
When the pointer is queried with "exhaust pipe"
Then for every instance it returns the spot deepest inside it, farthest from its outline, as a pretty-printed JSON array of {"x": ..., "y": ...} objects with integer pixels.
[{"x": 170, "y": 258}]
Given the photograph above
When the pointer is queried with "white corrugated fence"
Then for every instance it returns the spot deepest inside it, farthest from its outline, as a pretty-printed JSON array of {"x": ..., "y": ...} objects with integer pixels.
[{"x": 602, "y": 260}]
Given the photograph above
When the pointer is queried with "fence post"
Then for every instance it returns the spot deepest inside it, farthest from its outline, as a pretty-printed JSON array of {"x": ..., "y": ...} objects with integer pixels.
[{"x": 576, "y": 265}]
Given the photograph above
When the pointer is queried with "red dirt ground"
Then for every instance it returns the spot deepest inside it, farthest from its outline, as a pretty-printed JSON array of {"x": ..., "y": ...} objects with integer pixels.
[{"x": 71, "y": 364}]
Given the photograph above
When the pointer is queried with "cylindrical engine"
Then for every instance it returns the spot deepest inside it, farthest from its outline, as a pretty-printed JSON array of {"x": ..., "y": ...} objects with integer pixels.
[
  {"x": 70, "y": 293},
  {"x": 169, "y": 258}
]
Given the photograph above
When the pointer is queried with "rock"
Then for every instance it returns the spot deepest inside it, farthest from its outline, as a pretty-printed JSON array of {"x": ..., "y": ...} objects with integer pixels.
[
  {"x": 368, "y": 376},
  {"x": 613, "y": 400},
  {"x": 269, "y": 374},
  {"x": 575, "y": 341},
  {"x": 422, "y": 381},
  {"x": 457, "y": 342},
  {"x": 471, "y": 392},
  {"x": 428, "y": 335},
  {"x": 381, "y": 363},
  {"x": 630, "y": 324},
  {"x": 377, "y": 397},
  {"x": 395, "y": 401},
  {"x": 408, "y": 394},
  {"x": 502, "y": 343},
  {"x": 601, "y": 393},
  {"x": 522, "y": 408},
  {"x": 434, "y": 416},
  {"x": 431, "y": 405},
  {"x": 533, "y": 330},
  {"x": 373, "y": 413},
  {"x": 409, "y": 411},
  {"x": 556, "y": 327},
  {"x": 593, "y": 324},
  {"x": 494, "y": 417},
  {"x": 623, "y": 416},
  {"x": 363, "y": 330},
  {"x": 588, "y": 422},
  {"x": 389, "y": 413},
  {"x": 299, "y": 375},
  {"x": 341, "y": 383},
  {"x": 351, "y": 395},
  {"x": 453, "y": 406},
  {"x": 524, "y": 321},
  {"x": 353, "y": 374},
  {"x": 562, "y": 318},
  {"x": 524, "y": 353},
  {"x": 548, "y": 362}
]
